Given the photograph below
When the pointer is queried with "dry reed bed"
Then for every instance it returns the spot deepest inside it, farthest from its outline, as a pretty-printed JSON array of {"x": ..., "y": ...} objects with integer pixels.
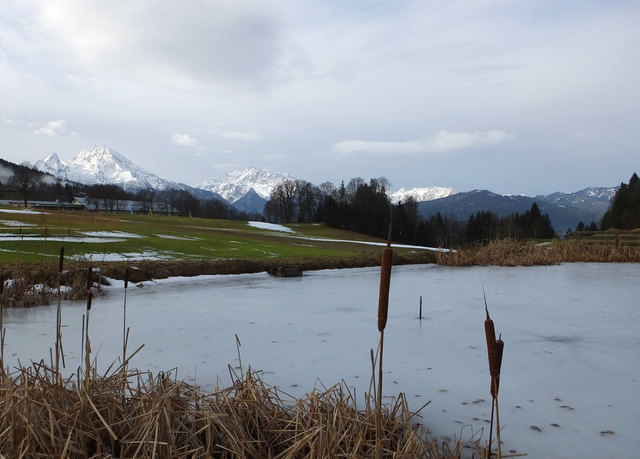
[
  {"x": 32, "y": 285},
  {"x": 137, "y": 415},
  {"x": 507, "y": 252}
]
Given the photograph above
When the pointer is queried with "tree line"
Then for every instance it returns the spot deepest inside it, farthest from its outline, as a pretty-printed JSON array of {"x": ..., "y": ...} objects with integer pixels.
[
  {"x": 365, "y": 207},
  {"x": 624, "y": 210}
]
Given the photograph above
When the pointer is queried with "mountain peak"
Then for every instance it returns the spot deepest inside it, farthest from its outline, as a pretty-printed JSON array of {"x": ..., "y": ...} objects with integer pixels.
[
  {"x": 102, "y": 165},
  {"x": 53, "y": 165},
  {"x": 237, "y": 184},
  {"x": 422, "y": 194}
]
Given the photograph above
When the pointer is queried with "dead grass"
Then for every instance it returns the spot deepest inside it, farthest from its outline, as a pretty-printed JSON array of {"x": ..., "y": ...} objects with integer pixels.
[
  {"x": 25, "y": 285},
  {"x": 134, "y": 414},
  {"x": 508, "y": 252}
]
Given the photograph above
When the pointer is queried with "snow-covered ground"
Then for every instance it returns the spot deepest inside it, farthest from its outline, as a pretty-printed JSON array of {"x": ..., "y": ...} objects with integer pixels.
[
  {"x": 570, "y": 373},
  {"x": 270, "y": 226},
  {"x": 15, "y": 223},
  {"x": 21, "y": 212}
]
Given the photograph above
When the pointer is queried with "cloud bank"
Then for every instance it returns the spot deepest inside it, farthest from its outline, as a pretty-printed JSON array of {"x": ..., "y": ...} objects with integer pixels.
[{"x": 440, "y": 142}]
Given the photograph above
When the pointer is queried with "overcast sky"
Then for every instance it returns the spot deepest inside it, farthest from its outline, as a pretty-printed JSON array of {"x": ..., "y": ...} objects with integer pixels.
[{"x": 514, "y": 96}]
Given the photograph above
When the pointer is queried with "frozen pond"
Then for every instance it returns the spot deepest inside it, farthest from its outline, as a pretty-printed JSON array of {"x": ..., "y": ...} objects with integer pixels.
[{"x": 570, "y": 374}]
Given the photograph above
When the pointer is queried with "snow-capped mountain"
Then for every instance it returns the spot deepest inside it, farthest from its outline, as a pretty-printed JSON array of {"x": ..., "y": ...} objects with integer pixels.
[
  {"x": 53, "y": 165},
  {"x": 236, "y": 184},
  {"x": 422, "y": 194},
  {"x": 103, "y": 165}
]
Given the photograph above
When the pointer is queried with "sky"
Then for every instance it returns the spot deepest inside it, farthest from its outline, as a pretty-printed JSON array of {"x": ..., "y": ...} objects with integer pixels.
[{"x": 514, "y": 96}]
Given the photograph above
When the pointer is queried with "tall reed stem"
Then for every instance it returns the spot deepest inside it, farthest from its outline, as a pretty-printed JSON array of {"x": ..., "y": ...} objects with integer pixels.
[
  {"x": 59, "y": 353},
  {"x": 124, "y": 321},
  {"x": 383, "y": 309}
]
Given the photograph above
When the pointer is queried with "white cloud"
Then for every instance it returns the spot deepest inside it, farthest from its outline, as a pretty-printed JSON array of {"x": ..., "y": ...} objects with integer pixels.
[
  {"x": 246, "y": 136},
  {"x": 200, "y": 41},
  {"x": 440, "y": 142},
  {"x": 52, "y": 128},
  {"x": 184, "y": 140}
]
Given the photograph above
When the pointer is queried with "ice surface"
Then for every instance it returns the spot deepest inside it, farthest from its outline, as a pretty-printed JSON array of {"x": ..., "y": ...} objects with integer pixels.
[{"x": 570, "y": 373}]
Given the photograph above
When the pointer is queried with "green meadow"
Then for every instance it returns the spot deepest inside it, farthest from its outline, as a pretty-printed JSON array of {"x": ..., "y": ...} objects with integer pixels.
[{"x": 28, "y": 238}]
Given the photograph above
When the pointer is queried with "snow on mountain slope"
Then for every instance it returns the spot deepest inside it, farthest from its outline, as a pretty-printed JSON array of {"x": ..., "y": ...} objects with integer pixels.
[
  {"x": 237, "y": 184},
  {"x": 53, "y": 165},
  {"x": 600, "y": 194},
  {"x": 103, "y": 165},
  {"x": 422, "y": 194}
]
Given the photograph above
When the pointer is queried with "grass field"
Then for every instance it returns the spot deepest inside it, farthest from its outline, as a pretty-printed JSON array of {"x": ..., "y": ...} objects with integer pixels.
[{"x": 36, "y": 237}]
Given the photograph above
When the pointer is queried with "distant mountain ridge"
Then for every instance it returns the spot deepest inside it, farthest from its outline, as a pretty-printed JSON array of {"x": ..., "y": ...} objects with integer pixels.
[
  {"x": 562, "y": 215},
  {"x": 102, "y": 165},
  {"x": 248, "y": 190},
  {"x": 236, "y": 184},
  {"x": 593, "y": 198},
  {"x": 422, "y": 194}
]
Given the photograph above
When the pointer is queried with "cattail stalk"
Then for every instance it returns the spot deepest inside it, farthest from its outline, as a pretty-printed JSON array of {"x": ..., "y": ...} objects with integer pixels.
[
  {"x": 124, "y": 321},
  {"x": 87, "y": 354},
  {"x": 495, "y": 349},
  {"x": 383, "y": 309},
  {"x": 59, "y": 353}
]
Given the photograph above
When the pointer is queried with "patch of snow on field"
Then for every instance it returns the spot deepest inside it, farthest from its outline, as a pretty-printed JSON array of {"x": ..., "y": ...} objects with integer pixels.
[
  {"x": 24, "y": 212},
  {"x": 379, "y": 244},
  {"x": 129, "y": 256},
  {"x": 270, "y": 226},
  {"x": 38, "y": 238},
  {"x": 177, "y": 238},
  {"x": 112, "y": 234},
  {"x": 15, "y": 223}
]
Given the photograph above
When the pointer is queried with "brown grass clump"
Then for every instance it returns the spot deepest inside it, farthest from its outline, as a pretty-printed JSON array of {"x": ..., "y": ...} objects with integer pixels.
[
  {"x": 138, "y": 415},
  {"x": 31, "y": 285},
  {"x": 508, "y": 252}
]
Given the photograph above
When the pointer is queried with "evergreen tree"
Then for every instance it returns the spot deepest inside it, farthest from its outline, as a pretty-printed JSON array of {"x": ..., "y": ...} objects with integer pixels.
[{"x": 624, "y": 210}]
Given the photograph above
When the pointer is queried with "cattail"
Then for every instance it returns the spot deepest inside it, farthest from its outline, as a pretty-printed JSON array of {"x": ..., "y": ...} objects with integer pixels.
[
  {"x": 492, "y": 348},
  {"x": 126, "y": 278},
  {"x": 500, "y": 348},
  {"x": 61, "y": 259},
  {"x": 385, "y": 280},
  {"x": 89, "y": 297}
]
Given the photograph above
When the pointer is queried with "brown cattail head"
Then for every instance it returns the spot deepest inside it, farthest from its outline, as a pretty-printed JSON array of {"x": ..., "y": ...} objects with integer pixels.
[
  {"x": 1, "y": 283},
  {"x": 496, "y": 386},
  {"x": 89, "y": 297},
  {"x": 385, "y": 281},
  {"x": 89, "y": 278},
  {"x": 500, "y": 345},
  {"x": 492, "y": 348},
  {"x": 126, "y": 277},
  {"x": 61, "y": 259}
]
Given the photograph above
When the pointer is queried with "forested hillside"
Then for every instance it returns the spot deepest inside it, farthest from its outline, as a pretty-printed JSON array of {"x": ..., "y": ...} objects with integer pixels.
[{"x": 624, "y": 211}]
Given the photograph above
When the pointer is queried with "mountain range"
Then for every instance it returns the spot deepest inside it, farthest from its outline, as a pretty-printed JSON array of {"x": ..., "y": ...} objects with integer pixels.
[
  {"x": 249, "y": 189},
  {"x": 102, "y": 165}
]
